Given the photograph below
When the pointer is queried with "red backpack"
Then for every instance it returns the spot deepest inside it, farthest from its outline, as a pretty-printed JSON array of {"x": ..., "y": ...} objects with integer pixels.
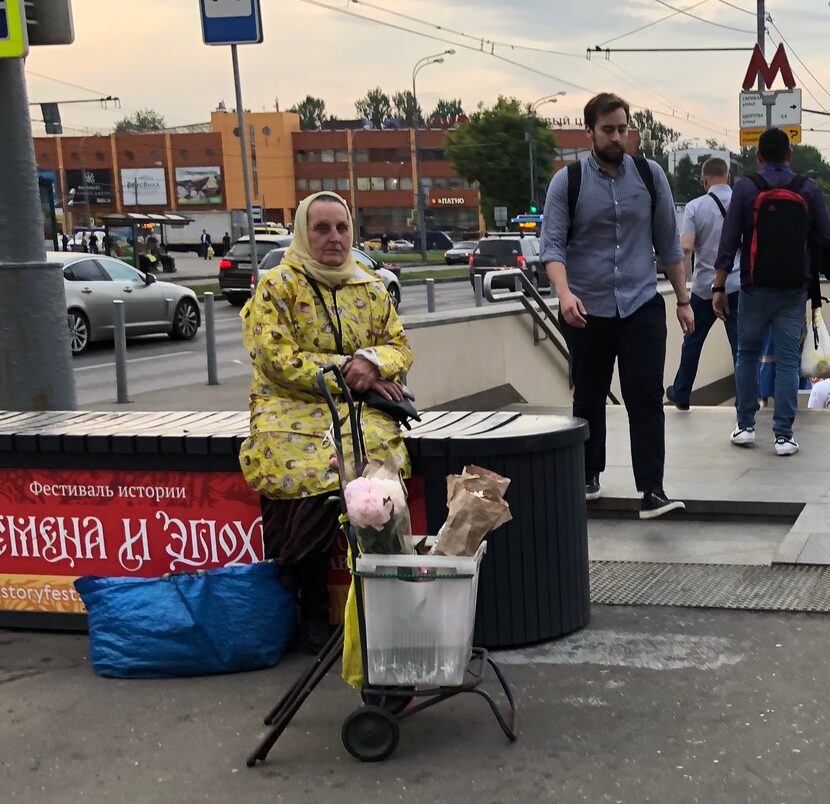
[{"x": 778, "y": 256}]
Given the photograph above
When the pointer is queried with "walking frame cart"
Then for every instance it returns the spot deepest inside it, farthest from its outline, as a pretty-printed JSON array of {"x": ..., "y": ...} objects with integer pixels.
[{"x": 370, "y": 733}]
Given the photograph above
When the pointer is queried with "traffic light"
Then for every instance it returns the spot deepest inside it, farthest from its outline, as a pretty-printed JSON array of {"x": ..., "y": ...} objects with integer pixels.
[{"x": 533, "y": 208}]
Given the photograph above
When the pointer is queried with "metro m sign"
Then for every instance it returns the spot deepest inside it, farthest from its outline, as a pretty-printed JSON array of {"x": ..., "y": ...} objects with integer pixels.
[{"x": 758, "y": 66}]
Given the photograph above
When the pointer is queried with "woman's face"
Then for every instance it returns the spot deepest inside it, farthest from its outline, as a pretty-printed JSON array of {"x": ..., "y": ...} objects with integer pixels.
[{"x": 329, "y": 237}]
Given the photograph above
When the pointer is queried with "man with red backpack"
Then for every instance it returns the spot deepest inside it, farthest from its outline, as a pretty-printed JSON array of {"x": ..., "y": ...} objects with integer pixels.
[{"x": 775, "y": 218}]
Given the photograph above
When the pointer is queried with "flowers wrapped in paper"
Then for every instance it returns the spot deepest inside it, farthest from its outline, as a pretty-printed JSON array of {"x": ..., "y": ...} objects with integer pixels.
[
  {"x": 476, "y": 504},
  {"x": 377, "y": 509}
]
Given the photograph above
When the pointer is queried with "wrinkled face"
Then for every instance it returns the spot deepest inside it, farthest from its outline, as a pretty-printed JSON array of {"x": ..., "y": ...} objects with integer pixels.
[
  {"x": 329, "y": 236},
  {"x": 609, "y": 136}
]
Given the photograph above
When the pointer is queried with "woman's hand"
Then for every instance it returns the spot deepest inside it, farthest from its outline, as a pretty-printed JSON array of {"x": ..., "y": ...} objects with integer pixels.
[
  {"x": 388, "y": 389},
  {"x": 360, "y": 374}
]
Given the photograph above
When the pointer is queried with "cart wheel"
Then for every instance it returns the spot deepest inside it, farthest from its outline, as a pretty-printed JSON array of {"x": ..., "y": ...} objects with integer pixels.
[
  {"x": 370, "y": 733},
  {"x": 394, "y": 704}
]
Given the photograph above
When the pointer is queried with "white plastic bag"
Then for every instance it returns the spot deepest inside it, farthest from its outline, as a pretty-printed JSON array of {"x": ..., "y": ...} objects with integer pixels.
[{"x": 815, "y": 356}]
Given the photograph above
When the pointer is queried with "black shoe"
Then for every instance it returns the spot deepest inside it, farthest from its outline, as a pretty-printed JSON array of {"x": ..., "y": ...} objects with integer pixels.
[
  {"x": 670, "y": 397},
  {"x": 655, "y": 503},
  {"x": 592, "y": 489}
]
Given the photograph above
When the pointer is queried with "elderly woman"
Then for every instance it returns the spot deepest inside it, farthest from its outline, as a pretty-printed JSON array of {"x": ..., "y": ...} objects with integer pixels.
[{"x": 316, "y": 307}]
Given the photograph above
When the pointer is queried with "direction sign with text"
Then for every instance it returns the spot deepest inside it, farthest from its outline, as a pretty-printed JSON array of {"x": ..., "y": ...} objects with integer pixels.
[
  {"x": 231, "y": 22},
  {"x": 784, "y": 105},
  {"x": 14, "y": 42},
  {"x": 750, "y": 136}
]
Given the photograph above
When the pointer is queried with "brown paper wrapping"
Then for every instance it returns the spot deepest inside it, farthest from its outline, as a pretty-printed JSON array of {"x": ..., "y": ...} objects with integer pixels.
[{"x": 476, "y": 504}]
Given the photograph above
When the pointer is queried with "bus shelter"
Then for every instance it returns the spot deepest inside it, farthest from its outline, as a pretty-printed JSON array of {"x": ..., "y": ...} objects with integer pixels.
[{"x": 136, "y": 237}]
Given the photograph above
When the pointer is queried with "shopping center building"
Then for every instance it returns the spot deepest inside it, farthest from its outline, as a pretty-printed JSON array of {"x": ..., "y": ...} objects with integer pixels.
[{"x": 198, "y": 169}]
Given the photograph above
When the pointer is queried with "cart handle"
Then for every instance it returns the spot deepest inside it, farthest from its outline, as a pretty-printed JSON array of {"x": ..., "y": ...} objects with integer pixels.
[{"x": 337, "y": 432}]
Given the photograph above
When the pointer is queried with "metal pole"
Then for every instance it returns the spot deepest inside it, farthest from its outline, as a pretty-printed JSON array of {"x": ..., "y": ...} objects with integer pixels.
[
  {"x": 761, "y": 44},
  {"x": 119, "y": 323},
  {"x": 422, "y": 224},
  {"x": 210, "y": 340},
  {"x": 243, "y": 146},
  {"x": 35, "y": 359},
  {"x": 430, "y": 295},
  {"x": 530, "y": 156},
  {"x": 478, "y": 289}
]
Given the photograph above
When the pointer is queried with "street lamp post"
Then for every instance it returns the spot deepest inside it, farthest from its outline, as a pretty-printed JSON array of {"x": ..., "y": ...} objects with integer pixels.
[
  {"x": 531, "y": 118},
  {"x": 436, "y": 58}
]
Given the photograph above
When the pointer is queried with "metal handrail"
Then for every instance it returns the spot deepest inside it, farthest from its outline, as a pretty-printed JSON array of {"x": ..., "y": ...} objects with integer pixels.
[{"x": 540, "y": 312}]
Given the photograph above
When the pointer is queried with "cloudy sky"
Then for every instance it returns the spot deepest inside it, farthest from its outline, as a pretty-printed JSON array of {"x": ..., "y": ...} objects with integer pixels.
[{"x": 150, "y": 54}]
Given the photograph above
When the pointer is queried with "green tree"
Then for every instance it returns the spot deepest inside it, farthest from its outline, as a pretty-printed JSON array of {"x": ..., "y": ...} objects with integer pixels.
[
  {"x": 142, "y": 121},
  {"x": 686, "y": 181},
  {"x": 491, "y": 149},
  {"x": 312, "y": 113},
  {"x": 446, "y": 113},
  {"x": 807, "y": 161},
  {"x": 375, "y": 106},
  {"x": 406, "y": 108},
  {"x": 655, "y": 138}
]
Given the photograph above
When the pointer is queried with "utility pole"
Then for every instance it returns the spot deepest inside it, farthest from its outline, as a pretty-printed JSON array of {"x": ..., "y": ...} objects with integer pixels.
[
  {"x": 761, "y": 39},
  {"x": 35, "y": 359}
]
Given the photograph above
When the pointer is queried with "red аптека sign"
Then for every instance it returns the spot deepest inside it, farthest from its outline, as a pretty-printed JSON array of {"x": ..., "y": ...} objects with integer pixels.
[{"x": 56, "y": 525}]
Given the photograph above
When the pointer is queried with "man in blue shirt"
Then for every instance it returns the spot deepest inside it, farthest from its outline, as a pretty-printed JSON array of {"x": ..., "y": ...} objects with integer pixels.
[
  {"x": 601, "y": 263},
  {"x": 702, "y": 225},
  {"x": 761, "y": 306}
]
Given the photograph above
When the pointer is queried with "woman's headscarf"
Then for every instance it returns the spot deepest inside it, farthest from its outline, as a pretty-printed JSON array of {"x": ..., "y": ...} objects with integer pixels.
[{"x": 299, "y": 253}]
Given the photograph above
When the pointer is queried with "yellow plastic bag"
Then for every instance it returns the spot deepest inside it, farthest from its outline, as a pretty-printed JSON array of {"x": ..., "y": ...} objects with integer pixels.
[{"x": 352, "y": 669}]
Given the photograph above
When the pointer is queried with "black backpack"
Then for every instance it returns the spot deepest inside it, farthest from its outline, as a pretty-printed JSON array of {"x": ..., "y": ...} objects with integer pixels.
[
  {"x": 779, "y": 251},
  {"x": 575, "y": 184}
]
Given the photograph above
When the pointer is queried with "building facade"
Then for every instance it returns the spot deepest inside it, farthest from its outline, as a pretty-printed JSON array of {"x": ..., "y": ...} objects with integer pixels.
[{"x": 198, "y": 168}]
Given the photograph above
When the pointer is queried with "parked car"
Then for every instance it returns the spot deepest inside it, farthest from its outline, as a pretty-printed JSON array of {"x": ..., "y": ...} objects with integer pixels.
[
  {"x": 93, "y": 282},
  {"x": 388, "y": 273},
  {"x": 401, "y": 245},
  {"x": 235, "y": 268},
  {"x": 499, "y": 252},
  {"x": 460, "y": 252}
]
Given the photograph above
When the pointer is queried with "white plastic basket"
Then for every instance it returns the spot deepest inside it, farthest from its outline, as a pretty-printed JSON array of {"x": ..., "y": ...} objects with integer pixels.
[{"x": 420, "y": 612}]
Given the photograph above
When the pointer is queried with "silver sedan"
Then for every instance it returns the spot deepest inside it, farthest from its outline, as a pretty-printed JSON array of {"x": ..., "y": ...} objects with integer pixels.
[{"x": 93, "y": 282}]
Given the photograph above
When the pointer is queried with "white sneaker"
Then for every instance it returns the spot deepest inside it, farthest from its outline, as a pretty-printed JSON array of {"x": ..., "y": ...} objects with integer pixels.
[
  {"x": 744, "y": 437},
  {"x": 785, "y": 446}
]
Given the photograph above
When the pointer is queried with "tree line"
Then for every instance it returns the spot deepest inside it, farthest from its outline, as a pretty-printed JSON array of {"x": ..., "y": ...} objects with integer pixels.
[{"x": 378, "y": 108}]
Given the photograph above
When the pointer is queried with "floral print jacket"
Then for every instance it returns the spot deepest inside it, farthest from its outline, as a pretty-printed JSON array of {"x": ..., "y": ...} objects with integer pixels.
[{"x": 289, "y": 453}]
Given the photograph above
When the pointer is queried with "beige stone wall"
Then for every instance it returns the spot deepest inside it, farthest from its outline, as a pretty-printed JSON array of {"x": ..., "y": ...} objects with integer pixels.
[{"x": 493, "y": 346}]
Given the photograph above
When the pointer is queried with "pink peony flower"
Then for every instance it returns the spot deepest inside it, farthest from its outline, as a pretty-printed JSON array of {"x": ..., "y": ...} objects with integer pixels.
[{"x": 368, "y": 503}]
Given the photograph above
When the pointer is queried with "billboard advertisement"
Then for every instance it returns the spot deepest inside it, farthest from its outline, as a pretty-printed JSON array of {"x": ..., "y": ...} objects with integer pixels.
[
  {"x": 93, "y": 187},
  {"x": 198, "y": 185},
  {"x": 143, "y": 187},
  {"x": 57, "y": 525}
]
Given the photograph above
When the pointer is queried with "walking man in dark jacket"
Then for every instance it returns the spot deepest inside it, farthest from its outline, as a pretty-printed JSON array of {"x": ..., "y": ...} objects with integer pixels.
[{"x": 772, "y": 219}]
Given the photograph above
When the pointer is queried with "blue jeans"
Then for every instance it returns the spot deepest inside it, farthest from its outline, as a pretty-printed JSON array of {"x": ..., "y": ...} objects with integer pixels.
[
  {"x": 681, "y": 390},
  {"x": 784, "y": 310}
]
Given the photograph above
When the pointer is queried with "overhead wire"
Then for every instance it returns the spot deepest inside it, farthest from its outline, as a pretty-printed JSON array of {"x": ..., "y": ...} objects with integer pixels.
[
  {"x": 658, "y": 112},
  {"x": 738, "y": 8},
  {"x": 796, "y": 76},
  {"x": 702, "y": 19},
  {"x": 67, "y": 83},
  {"x": 651, "y": 24},
  {"x": 784, "y": 40},
  {"x": 482, "y": 40}
]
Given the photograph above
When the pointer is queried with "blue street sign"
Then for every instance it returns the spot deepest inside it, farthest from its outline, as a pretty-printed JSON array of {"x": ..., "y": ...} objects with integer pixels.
[{"x": 231, "y": 22}]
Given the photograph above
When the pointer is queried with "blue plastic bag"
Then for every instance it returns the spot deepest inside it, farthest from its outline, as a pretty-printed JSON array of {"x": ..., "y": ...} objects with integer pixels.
[{"x": 216, "y": 621}]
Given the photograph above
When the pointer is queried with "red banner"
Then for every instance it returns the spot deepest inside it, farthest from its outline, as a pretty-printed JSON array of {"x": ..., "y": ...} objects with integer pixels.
[
  {"x": 56, "y": 525},
  {"x": 59, "y": 524}
]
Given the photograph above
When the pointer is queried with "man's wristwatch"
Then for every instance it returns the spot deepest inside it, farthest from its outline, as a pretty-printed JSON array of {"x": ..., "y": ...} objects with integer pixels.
[
  {"x": 718, "y": 288},
  {"x": 684, "y": 304}
]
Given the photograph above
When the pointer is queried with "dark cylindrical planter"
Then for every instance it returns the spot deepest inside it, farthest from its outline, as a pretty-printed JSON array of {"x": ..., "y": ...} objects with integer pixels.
[{"x": 534, "y": 577}]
